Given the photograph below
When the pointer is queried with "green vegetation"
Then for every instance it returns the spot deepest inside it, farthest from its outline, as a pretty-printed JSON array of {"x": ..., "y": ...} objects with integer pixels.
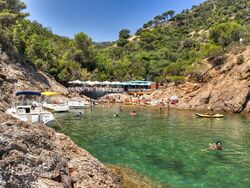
[{"x": 167, "y": 48}]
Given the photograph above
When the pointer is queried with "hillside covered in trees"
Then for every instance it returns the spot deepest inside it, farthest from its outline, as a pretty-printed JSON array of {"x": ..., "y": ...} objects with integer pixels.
[{"x": 167, "y": 48}]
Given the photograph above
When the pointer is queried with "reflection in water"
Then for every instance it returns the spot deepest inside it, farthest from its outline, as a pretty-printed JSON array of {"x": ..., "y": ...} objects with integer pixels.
[{"x": 170, "y": 147}]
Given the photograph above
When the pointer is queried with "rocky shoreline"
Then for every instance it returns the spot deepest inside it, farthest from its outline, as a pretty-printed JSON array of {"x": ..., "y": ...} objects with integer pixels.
[
  {"x": 38, "y": 157},
  {"x": 224, "y": 86}
]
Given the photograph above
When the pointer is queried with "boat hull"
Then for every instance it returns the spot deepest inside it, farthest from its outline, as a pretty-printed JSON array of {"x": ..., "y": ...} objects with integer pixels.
[
  {"x": 76, "y": 104},
  {"x": 56, "y": 108},
  {"x": 37, "y": 117},
  {"x": 209, "y": 116}
]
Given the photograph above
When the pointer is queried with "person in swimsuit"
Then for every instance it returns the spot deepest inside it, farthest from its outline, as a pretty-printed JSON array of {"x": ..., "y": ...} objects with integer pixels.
[
  {"x": 133, "y": 113},
  {"x": 216, "y": 146}
]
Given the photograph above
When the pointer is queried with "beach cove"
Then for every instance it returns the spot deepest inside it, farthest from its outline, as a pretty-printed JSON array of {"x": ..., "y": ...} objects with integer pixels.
[{"x": 169, "y": 147}]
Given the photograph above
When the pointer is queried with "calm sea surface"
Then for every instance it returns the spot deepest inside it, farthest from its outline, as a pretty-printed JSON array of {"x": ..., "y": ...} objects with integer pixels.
[{"x": 169, "y": 147}]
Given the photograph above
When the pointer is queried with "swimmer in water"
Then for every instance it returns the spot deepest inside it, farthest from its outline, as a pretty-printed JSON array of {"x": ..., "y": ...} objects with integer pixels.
[
  {"x": 216, "y": 146},
  {"x": 116, "y": 114},
  {"x": 133, "y": 113},
  {"x": 79, "y": 115}
]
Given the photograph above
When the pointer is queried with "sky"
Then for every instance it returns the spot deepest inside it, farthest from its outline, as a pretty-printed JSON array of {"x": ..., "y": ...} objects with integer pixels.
[{"x": 100, "y": 19}]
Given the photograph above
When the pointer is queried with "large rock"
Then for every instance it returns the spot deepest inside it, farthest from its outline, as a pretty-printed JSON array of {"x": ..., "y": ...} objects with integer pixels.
[
  {"x": 227, "y": 87},
  {"x": 38, "y": 157}
]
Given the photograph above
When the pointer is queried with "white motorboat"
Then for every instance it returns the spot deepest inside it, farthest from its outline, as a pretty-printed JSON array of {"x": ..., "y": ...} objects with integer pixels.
[
  {"x": 56, "y": 107},
  {"x": 76, "y": 104},
  {"x": 52, "y": 106},
  {"x": 28, "y": 109}
]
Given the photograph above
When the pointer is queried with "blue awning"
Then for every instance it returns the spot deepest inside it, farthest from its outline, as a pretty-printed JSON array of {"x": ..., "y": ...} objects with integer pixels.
[{"x": 36, "y": 93}]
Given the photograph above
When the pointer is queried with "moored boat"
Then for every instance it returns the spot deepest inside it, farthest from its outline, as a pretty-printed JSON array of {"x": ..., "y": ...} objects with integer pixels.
[
  {"x": 29, "y": 109},
  {"x": 52, "y": 106},
  {"x": 209, "y": 115},
  {"x": 76, "y": 104}
]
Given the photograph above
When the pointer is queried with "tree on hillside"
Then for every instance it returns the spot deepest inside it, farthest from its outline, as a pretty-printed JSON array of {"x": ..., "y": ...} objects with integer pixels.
[
  {"x": 179, "y": 18},
  {"x": 158, "y": 19},
  {"x": 146, "y": 25},
  {"x": 150, "y": 22},
  {"x": 124, "y": 34},
  {"x": 10, "y": 11},
  {"x": 166, "y": 14},
  {"x": 83, "y": 41},
  {"x": 83, "y": 53},
  {"x": 225, "y": 33},
  {"x": 123, "y": 37},
  {"x": 171, "y": 13},
  {"x": 40, "y": 51},
  {"x": 138, "y": 32}
]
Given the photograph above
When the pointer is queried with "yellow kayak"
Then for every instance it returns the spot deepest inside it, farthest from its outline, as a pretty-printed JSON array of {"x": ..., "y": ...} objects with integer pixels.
[{"x": 209, "y": 116}]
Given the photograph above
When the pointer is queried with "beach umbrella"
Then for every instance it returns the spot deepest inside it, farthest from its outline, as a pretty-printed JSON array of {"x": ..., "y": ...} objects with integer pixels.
[
  {"x": 106, "y": 83},
  {"x": 174, "y": 97},
  {"x": 116, "y": 83},
  {"x": 95, "y": 83},
  {"x": 76, "y": 82},
  {"x": 90, "y": 83}
]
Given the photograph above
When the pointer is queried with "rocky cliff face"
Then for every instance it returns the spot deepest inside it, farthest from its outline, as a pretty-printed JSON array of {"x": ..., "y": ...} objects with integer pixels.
[
  {"x": 225, "y": 86},
  {"x": 38, "y": 157},
  {"x": 17, "y": 76}
]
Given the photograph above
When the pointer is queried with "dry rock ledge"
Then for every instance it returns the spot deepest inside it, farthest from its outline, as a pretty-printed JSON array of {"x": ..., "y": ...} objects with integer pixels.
[
  {"x": 35, "y": 156},
  {"x": 225, "y": 86}
]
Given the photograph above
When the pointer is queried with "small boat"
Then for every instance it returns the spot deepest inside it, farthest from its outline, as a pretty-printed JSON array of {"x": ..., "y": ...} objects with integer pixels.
[
  {"x": 54, "y": 107},
  {"x": 128, "y": 103},
  {"x": 76, "y": 104},
  {"x": 28, "y": 108},
  {"x": 209, "y": 116}
]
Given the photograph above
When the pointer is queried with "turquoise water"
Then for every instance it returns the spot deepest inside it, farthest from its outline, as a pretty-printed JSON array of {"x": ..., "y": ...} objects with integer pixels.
[{"x": 169, "y": 147}]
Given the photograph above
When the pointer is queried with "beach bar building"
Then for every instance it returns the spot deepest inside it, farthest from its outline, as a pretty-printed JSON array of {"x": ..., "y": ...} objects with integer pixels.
[{"x": 96, "y": 89}]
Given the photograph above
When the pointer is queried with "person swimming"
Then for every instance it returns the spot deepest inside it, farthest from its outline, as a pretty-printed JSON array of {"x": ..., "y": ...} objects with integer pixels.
[
  {"x": 79, "y": 115},
  {"x": 216, "y": 146},
  {"x": 133, "y": 113},
  {"x": 116, "y": 114}
]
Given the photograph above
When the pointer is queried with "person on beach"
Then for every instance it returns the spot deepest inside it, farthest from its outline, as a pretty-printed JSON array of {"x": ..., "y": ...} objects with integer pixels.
[
  {"x": 216, "y": 146},
  {"x": 168, "y": 103},
  {"x": 133, "y": 113}
]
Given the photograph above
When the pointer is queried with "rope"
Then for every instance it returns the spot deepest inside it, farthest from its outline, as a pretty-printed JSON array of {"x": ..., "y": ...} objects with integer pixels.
[{"x": 59, "y": 124}]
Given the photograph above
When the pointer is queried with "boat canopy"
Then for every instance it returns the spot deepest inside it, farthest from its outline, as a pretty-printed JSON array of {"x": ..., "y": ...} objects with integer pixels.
[
  {"x": 49, "y": 93},
  {"x": 36, "y": 93}
]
